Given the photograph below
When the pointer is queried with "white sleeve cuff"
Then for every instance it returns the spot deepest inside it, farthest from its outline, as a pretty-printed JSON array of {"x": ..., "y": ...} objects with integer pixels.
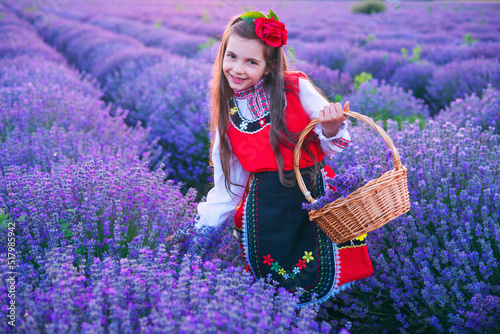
[
  {"x": 342, "y": 129},
  {"x": 313, "y": 102},
  {"x": 220, "y": 202}
]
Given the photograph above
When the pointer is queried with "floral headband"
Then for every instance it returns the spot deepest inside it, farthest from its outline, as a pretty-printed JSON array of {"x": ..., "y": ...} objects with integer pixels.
[{"x": 268, "y": 28}]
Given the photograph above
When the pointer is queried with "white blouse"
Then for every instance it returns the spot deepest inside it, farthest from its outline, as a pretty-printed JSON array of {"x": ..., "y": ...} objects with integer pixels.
[{"x": 219, "y": 202}]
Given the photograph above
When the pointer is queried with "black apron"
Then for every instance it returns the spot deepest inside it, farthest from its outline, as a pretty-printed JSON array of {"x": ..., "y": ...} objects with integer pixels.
[{"x": 281, "y": 242}]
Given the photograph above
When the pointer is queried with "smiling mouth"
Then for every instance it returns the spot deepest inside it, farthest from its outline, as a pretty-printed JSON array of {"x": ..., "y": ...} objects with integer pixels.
[{"x": 237, "y": 80}]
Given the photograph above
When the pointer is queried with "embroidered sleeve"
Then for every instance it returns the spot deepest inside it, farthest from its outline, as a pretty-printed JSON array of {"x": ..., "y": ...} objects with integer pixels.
[
  {"x": 220, "y": 202},
  {"x": 313, "y": 102}
]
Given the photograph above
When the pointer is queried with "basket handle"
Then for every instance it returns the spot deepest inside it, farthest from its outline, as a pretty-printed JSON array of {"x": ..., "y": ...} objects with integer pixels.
[{"x": 310, "y": 126}]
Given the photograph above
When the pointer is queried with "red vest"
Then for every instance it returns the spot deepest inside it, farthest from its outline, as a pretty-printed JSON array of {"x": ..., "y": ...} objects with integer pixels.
[{"x": 250, "y": 139}]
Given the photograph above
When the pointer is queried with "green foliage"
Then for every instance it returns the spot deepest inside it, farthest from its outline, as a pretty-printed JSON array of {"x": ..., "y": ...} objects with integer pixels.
[
  {"x": 249, "y": 17},
  {"x": 422, "y": 121},
  {"x": 369, "y": 38},
  {"x": 29, "y": 9},
  {"x": 369, "y": 7},
  {"x": 65, "y": 226},
  {"x": 180, "y": 7},
  {"x": 272, "y": 15},
  {"x": 429, "y": 9},
  {"x": 4, "y": 220},
  {"x": 404, "y": 53},
  {"x": 360, "y": 78},
  {"x": 291, "y": 52},
  {"x": 206, "y": 16},
  {"x": 157, "y": 24},
  {"x": 469, "y": 40},
  {"x": 2, "y": 15},
  {"x": 208, "y": 44},
  {"x": 415, "y": 57},
  {"x": 416, "y": 54},
  {"x": 252, "y": 15},
  {"x": 337, "y": 98}
]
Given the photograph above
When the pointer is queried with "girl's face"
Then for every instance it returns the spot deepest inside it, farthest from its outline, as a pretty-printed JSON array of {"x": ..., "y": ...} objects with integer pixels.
[{"x": 244, "y": 63}]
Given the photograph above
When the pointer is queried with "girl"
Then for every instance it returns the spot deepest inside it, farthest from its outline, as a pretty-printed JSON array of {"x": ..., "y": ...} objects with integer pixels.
[{"x": 258, "y": 110}]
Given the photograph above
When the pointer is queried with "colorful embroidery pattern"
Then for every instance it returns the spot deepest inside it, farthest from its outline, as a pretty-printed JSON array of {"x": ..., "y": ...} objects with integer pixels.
[
  {"x": 361, "y": 237},
  {"x": 319, "y": 277},
  {"x": 256, "y": 99},
  {"x": 245, "y": 125},
  {"x": 252, "y": 107},
  {"x": 258, "y": 105},
  {"x": 250, "y": 90},
  {"x": 301, "y": 264},
  {"x": 341, "y": 142},
  {"x": 358, "y": 242},
  {"x": 264, "y": 105}
]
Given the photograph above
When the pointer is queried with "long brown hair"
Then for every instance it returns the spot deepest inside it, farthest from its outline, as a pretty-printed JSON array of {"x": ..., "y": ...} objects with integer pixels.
[{"x": 274, "y": 81}]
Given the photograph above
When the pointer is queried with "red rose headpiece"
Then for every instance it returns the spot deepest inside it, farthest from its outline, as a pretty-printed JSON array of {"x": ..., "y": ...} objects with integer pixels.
[{"x": 268, "y": 28}]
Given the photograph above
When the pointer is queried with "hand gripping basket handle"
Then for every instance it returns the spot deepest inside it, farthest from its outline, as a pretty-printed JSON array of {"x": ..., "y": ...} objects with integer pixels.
[{"x": 310, "y": 126}]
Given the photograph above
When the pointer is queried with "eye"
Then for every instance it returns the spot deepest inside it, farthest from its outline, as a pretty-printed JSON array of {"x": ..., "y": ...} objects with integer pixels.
[
  {"x": 230, "y": 55},
  {"x": 252, "y": 62}
]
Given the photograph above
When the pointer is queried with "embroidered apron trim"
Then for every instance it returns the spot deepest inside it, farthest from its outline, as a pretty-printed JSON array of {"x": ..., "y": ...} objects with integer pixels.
[
  {"x": 319, "y": 266},
  {"x": 358, "y": 242},
  {"x": 301, "y": 264}
]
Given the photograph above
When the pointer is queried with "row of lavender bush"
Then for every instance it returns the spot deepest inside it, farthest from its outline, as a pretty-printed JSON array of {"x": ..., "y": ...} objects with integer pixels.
[
  {"x": 436, "y": 268},
  {"x": 174, "y": 111},
  {"x": 51, "y": 112},
  {"x": 384, "y": 55},
  {"x": 174, "y": 41},
  {"x": 351, "y": 43},
  {"x": 174, "y": 106},
  {"x": 158, "y": 293},
  {"x": 163, "y": 101}
]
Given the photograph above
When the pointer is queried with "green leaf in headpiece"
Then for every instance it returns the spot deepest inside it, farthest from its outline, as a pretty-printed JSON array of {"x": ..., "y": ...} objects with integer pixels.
[
  {"x": 251, "y": 16},
  {"x": 272, "y": 15}
]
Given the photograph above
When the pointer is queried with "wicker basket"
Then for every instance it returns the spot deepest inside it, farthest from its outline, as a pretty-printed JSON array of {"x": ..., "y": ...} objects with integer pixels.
[{"x": 369, "y": 207}]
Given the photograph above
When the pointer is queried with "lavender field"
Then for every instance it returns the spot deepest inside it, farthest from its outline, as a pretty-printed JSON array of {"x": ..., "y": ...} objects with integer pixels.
[{"x": 104, "y": 152}]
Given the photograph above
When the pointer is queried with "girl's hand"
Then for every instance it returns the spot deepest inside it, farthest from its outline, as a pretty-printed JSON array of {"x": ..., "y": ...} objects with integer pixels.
[{"x": 331, "y": 117}]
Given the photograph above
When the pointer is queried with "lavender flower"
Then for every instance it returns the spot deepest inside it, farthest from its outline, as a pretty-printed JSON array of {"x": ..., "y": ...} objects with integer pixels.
[
  {"x": 333, "y": 83},
  {"x": 458, "y": 79},
  {"x": 414, "y": 77},
  {"x": 442, "y": 251},
  {"x": 380, "y": 64},
  {"x": 344, "y": 184},
  {"x": 158, "y": 292},
  {"x": 381, "y": 100},
  {"x": 484, "y": 111}
]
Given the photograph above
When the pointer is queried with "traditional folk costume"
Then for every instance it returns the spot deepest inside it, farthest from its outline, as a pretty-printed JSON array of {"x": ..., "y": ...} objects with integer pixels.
[{"x": 275, "y": 233}]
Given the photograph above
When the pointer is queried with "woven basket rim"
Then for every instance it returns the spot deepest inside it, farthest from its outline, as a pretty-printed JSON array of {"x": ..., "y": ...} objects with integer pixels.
[
  {"x": 366, "y": 119},
  {"x": 362, "y": 190}
]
